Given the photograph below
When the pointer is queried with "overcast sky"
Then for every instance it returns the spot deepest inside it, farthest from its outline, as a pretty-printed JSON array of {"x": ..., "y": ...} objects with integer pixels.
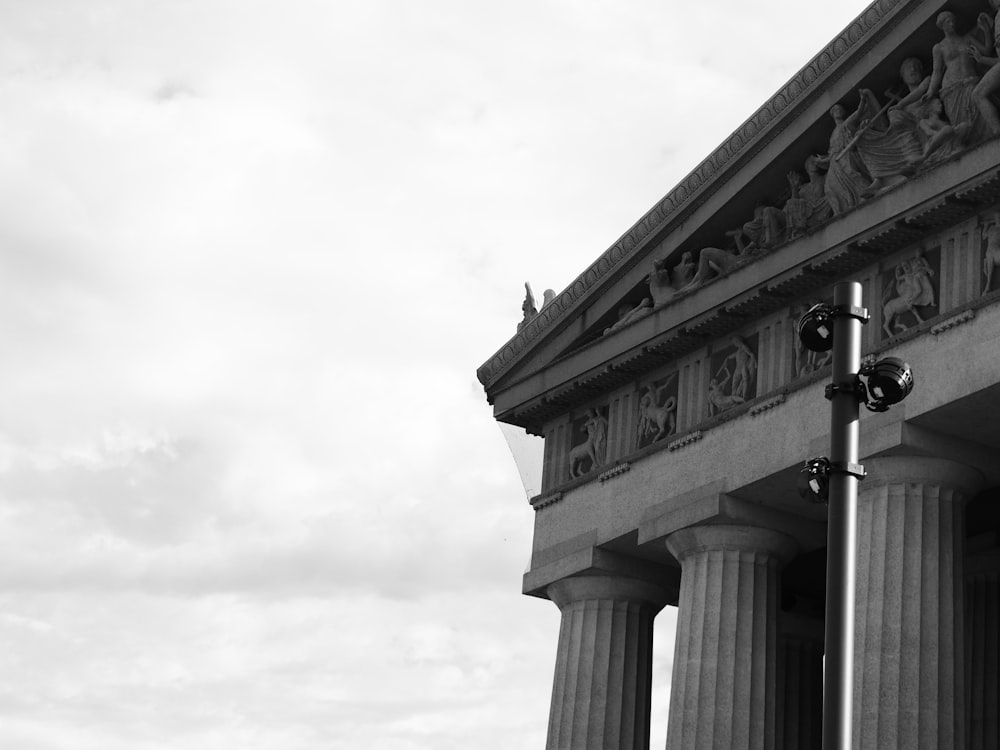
[{"x": 251, "y": 255}]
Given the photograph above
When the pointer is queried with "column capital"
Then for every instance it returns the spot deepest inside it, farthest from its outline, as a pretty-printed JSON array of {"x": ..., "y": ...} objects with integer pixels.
[
  {"x": 913, "y": 469},
  {"x": 753, "y": 539},
  {"x": 608, "y": 588}
]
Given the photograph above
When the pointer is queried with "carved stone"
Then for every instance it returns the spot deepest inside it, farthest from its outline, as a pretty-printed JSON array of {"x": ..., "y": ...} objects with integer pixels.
[
  {"x": 734, "y": 373},
  {"x": 845, "y": 178},
  {"x": 989, "y": 84},
  {"x": 954, "y": 76},
  {"x": 590, "y": 454},
  {"x": 910, "y": 290},
  {"x": 658, "y": 411},
  {"x": 528, "y": 308},
  {"x": 603, "y": 675}
]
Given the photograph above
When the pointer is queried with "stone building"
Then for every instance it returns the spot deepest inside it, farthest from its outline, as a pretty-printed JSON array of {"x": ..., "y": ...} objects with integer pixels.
[{"x": 677, "y": 407}]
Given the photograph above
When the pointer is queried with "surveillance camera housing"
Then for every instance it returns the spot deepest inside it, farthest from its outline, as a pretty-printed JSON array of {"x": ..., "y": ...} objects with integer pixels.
[
  {"x": 816, "y": 328},
  {"x": 884, "y": 383},
  {"x": 814, "y": 480}
]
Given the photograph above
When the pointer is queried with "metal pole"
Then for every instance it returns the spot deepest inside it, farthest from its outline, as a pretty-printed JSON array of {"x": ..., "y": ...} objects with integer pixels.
[{"x": 841, "y": 549}]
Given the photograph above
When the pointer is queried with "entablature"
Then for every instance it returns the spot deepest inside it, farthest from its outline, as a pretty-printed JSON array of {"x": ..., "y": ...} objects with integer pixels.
[{"x": 904, "y": 216}]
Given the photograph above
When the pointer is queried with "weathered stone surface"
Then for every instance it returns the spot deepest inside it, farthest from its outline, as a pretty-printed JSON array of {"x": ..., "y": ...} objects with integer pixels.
[
  {"x": 723, "y": 690},
  {"x": 600, "y": 695},
  {"x": 909, "y": 686}
]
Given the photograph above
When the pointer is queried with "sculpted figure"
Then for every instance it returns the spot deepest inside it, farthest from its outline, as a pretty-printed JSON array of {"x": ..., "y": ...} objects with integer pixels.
[
  {"x": 547, "y": 296},
  {"x": 913, "y": 289},
  {"x": 660, "y": 283},
  {"x": 718, "y": 399},
  {"x": 991, "y": 261},
  {"x": 593, "y": 448},
  {"x": 665, "y": 284},
  {"x": 527, "y": 307},
  {"x": 628, "y": 314},
  {"x": 744, "y": 367},
  {"x": 656, "y": 416},
  {"x": 713, "y": 262},
  {"x": 909, "y": 109},
  {"x": 845, "y": 179},
  {"x": 683, "y": 273},
  {"x": 808, "y": 206},
  {"x": 889, "y": 147},
  {"x": 954, "y": 76},
  {"x": 764, "y": 231},
  {"x": 938, "y": 134},
  {"x": 989, "y": 84}
]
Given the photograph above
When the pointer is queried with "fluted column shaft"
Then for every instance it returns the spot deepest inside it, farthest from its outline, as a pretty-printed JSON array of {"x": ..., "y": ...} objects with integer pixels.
[
  {"x": 800, "y": 685},
  {"x": 600, "y": 695},
  {"x": 982, "y": 608},
  {"x": 724, "y": 677},
  {"x": 909, "y": 654}
]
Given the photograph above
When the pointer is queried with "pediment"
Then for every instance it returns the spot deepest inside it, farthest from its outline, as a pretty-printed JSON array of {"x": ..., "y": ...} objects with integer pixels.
[{"x": 733, "y": 204}]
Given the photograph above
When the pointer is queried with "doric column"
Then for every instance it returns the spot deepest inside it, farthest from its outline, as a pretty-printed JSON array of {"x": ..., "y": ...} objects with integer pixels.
[
  {"x": 724, "y": 679},
  {"x": 800, "y": 683},
  {"x": 604, "y": 668},
  {"x": 909, "y": 655},
  {"x": 982, "y": 609}
]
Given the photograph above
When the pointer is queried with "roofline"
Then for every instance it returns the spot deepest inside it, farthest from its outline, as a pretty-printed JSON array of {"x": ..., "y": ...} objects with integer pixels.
[{"x": 695, "y": 187}]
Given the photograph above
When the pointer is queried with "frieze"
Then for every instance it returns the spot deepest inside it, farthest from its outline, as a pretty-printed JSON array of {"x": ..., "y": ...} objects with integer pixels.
[
  {"x": 910, "y": 292},
  {"x": 733, "y": 378},
  {"x": 724, "y": 380},
  {"x": 657, "y": 411},
  {"x": 738, "y": 146},
  {"x": 589, "y": 450}
]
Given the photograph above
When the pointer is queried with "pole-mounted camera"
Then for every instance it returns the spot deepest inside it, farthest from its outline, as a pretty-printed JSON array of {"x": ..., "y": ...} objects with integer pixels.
[{"x": 834, "y": 481}]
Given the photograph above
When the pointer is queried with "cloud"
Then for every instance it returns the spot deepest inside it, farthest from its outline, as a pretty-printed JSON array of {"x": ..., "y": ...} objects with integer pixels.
[{"x": 251, "y": 494}]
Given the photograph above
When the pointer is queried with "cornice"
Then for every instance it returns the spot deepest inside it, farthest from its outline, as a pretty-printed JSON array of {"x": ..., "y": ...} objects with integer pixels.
[{"x": 693, "y": 188}]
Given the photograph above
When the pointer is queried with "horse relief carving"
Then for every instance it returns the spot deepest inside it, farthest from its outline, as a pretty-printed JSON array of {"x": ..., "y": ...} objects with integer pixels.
[
  {"x": 657, "y": 412},
  {"x": 909, "y": 290},
  {"x": 592, "y": 452}
]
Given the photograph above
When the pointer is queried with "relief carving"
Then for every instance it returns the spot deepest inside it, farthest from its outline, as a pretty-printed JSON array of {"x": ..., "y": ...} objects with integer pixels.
[
  {"x": 658, "y": 411},
  {"x": 664, "y": 284},
  {"x": 808, "y": 206},
  {"x": 871, "y": 149},
  {"x": 989, "y": 84},
  {"x": 910, "y": 289},
  {"x": 845, "y": 181},
  {"x": 592, "y": 452},
  {"x": 954, "y": 76},
  {"x": 734, "y": 376}
]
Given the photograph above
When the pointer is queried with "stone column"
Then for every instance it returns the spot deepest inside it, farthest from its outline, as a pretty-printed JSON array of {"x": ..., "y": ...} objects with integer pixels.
[
  {"x": 724, "y": 680},
  {"x": 604, "y": 668},
  {"x": 800, "y": 684},
  {"x": 982, "y": 608},
  {"x": 909, "y": 654}
]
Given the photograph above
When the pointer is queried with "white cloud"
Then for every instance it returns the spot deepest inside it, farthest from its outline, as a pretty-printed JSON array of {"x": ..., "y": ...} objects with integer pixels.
[{"x": 250, "y": 257}]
